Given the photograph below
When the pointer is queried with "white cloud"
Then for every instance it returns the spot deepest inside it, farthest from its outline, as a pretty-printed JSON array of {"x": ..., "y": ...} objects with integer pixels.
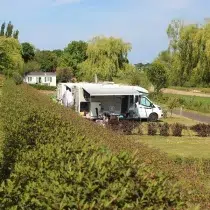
[{"x": 59, "y": 2}]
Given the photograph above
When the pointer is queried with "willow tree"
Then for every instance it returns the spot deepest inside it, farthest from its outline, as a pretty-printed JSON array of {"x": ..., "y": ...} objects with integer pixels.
[
  {"x": 107, "y": 57},
  {"x": 10, "y": 56}
]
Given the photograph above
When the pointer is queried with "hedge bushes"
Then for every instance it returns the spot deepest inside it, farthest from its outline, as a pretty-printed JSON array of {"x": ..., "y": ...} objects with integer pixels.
[
  {"x": 52, "y": 160},
  {"x": 44, "y": 87}
]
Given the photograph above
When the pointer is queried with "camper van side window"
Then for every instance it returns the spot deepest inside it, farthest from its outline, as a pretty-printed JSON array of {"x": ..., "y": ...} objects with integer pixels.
[
  {"x": 136, "y": 99},
  {"x": 131, "y": 99}
]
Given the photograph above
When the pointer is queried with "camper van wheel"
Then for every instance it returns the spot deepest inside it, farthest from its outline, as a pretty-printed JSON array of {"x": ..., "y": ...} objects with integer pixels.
[{"x": 153, "y": 117}]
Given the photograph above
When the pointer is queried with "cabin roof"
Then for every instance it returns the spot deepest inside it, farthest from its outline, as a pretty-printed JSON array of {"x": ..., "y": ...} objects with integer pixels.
[{"x": 41, "y": 74}]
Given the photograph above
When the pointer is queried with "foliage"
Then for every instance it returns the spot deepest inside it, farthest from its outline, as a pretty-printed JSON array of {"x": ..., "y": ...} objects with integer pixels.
[
  {"x": 47, "y": 60},
  {"x": 157, "y": 75},
  {"x": 106, "y": 58},
  {"x": 44, "y": 87},
  {"x": 173, "y": 103},
  {"x": 31, "y": 66},
  {"x": 164, "y": 129},
  {"x": 10, "y": 56},
  {"x": 202, "y": 129},
  {"x": 124, "y": 126},
  {"x": 177, "y": 129},
  {"x": 58, "y": 52},
  {"x": 9, "y": 32},
  {"x": 196, "y": 103},
  {"x": 152, "y": 129},
  {"x": 64, "y": 74},
  {"x": 17, "y": 78},
  {"x": 187, "y": 57},
  {"x": 51, "y": 162},
  {"x": 73, "y": 55},
  {"x": 28, "y": 51}
]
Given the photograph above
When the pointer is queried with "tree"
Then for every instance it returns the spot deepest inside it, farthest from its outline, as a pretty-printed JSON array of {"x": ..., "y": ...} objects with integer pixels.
[
  {"x": 106, "y": 58},
  {"x": 31, "y": 66},
  {"x": 173, "y": 103},
  {"x": 47, "y": 60},
  {"x": 9, "y": 31},
  {"x": 2, "y": 29},
  {"x": 64, "y": 74},
  {"x": 10, "y": 56},
  {"x": 173, "y": 32},
  {"x": 58, "y": 52},
  {"x": 157, "y": 75},
  {"x": 74, "y": 54},
  {"x": 28, "y": 51},
  {"x": 16, "y": 34}
]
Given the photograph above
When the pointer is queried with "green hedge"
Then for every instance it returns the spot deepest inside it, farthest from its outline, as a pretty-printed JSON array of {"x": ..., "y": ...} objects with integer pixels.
[
  {"x": 44, "y": 87},
  {"x": 53, "y": 159},
  {"x": 49, "y": 163}
]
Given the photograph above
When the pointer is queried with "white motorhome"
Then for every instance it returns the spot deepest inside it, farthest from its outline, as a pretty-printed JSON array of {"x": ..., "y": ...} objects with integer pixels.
[{"x": 94, "y": 100}]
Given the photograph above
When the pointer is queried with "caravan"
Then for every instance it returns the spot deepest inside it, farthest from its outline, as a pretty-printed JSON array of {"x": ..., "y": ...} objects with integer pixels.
[{"x": 96, "y": 100}]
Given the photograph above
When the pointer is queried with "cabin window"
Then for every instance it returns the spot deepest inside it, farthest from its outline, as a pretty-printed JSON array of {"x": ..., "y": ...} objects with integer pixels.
[
  {"x": 29, "y": 79},
  {"x": 48, "y": 79}
]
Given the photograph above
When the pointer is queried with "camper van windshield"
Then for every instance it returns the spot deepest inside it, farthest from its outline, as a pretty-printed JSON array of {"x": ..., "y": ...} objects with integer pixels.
[{"x": 145, "y": 102}]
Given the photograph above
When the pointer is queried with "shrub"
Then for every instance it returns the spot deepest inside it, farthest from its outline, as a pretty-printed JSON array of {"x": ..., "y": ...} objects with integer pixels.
[
  {"x": 125, "y": 126},
  {"x": 152, "y": 129},
  {"x": 177, "y": 129},
  {"x": 164, "y": 129},
  {"x": 203, "y": 130},
  {"x": 44, "y": 87},
  {"x": 52, "y": 159},
  {"x": 17, "y": 78}
]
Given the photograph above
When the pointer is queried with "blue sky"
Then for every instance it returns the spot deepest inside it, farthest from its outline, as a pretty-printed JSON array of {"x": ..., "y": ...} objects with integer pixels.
[{"x": 52, "y": 24}]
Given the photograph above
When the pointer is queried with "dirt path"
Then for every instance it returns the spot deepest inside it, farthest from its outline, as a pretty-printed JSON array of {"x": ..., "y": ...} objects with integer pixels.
[
  {"x": 186, "y": 93},
  {"x": 194, "y": 116}
]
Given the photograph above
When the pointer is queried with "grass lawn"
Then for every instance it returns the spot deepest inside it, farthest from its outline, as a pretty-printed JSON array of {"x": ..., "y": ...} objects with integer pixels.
[
  {"x": 189, "y": 145},
  {"x": 195, "y": 103}
]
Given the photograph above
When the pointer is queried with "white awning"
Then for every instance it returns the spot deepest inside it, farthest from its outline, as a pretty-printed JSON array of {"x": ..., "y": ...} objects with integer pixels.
[{"x": 102, "y": 91}]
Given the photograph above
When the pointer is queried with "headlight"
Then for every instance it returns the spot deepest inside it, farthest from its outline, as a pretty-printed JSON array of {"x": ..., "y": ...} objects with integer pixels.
[{"x": 159, "y": 108}]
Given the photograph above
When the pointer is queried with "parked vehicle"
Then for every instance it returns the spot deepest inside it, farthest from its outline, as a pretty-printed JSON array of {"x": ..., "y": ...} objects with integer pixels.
[{"x": 96, "y": 100}]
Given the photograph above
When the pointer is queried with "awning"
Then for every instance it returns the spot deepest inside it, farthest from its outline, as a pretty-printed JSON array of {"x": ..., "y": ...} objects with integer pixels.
[{"x": 101, "y": 91}]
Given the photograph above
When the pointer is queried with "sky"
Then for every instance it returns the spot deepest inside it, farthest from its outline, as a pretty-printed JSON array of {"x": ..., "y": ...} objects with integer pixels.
[{"x": 52, "y": 24}]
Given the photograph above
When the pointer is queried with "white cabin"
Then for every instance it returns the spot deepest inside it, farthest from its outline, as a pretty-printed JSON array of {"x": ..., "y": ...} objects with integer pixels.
[{"x": 41, "y": 78}]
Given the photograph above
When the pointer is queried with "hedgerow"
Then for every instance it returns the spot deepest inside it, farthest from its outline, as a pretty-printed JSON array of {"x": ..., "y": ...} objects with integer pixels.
[
  {"x": 53, "y": 159},
  {"x": 43, "y": 87}
]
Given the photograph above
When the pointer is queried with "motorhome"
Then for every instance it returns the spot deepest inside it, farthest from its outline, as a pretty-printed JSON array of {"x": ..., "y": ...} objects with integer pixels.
[{"x": 96, "y": 100}]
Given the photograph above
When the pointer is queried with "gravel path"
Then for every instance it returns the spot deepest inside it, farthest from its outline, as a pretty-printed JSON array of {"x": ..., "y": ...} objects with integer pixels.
[{"x": 186, "y": 93}]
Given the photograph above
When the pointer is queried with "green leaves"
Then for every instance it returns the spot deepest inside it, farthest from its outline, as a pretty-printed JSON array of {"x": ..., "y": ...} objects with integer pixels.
[
  {"x": 106, "y": 58},
  {"x": 52, "y": 159}
]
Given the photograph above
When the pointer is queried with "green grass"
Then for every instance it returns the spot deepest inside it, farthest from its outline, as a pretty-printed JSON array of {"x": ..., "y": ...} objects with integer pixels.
[
  {"x": 186, "y": 146},
  {"x": 195, "y": 103},
  {"x": 189, "y": 145}
]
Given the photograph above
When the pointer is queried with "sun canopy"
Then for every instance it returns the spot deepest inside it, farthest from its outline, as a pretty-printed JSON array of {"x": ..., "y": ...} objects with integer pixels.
[{"x": 102, "y": 91}]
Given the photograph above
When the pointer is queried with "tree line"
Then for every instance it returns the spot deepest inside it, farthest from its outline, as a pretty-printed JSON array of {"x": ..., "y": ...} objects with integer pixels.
[
  {"x": 186, "y": 62},
  {"x": 105, "y": 56}
]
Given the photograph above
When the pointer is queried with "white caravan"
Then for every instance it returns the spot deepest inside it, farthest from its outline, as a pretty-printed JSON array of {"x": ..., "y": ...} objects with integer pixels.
[{"x": 96, "y": 100}]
